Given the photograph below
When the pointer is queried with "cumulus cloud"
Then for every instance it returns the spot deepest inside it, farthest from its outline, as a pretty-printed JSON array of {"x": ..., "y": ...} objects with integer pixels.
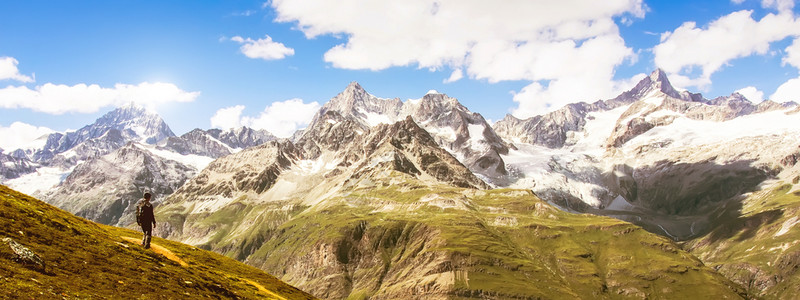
[
  {"x": 780, "y": 5},
  {"x": 265, "y": 48},
  {"x": 9, "y": 70},
  {"x": 229, "y": 117},
  {"x": 21, "y": 135},
  {"x": 688, "y": 48},
  {"x": 281, "y": 118},
  {"x": 547, "y": 43},
  {"x": 788, "y": 91},
  {"x": 81, "y": 98},
  {"x": 455, "y": 76},
  {"x": 793, "y": 54},
  {"x": 752, "y": 94}
]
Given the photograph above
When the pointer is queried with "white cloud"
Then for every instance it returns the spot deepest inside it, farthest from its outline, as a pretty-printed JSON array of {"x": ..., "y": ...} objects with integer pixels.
[
  {"x": 793, "y": 54},
  {"x": 788, "y": 91},
  {"x": 21, "y": 135},
  {"x": 229, "y": 117},
  {"x": 9, "y": 70},
  {"x": 281, "y": 118},
  {"x": 265, "y": 48},
  {"x": 81, "y": 98},
  {"x": 455, "y": 76},
  {"x": 780, "y": 5},
  {"x": 536, "y": 41},
  {"x": 752, "y": 94},
  {"x": 735, "y": 35},
  {"x": 559, "y": 92}
]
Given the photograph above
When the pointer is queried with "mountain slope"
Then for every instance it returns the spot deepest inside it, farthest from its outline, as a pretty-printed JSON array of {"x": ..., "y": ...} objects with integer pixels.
[
  {"x": 662, "y": 159},
  {"x": 105, "y": 189},
  {"x": 121, "y": 125},
  {"x": 757, "y": 243},
  {"x": 409, "y": 239},
  {"x": 386, "y": 213},
  {"x": 58, "y": 153},
  {"x": 463, "y": 133},
  {"x": 82, "y": 260},
  {"x": 216, "y": 143}
]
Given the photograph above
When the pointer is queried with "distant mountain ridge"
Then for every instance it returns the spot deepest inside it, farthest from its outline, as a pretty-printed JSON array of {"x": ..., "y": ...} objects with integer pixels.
[{"x": 462, "y": 132}]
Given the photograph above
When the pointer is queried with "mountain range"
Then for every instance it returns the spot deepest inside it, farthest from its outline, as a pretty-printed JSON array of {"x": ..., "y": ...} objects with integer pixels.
[{"x": 382, "y": 198}]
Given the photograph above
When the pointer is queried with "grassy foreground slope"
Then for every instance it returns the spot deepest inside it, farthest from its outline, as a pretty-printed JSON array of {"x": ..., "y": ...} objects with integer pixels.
[
  {"x": 401, "y": 240},
  {"x": 84, "y": 260}
]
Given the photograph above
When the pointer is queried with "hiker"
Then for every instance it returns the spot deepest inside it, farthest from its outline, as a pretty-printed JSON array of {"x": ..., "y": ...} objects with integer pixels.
[{"x": 146, "y": 219}]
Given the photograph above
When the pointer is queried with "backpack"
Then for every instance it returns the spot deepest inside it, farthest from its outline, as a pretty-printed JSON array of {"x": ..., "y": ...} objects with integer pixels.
[{"x": 139, "y": 212}]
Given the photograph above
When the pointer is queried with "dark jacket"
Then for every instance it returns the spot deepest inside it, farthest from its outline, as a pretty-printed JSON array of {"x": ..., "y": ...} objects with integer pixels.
[{"x": 144, "y": 213}]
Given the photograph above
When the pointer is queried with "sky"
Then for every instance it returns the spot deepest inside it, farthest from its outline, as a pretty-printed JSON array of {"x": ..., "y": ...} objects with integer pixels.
[{"x": 271, "y": 65}]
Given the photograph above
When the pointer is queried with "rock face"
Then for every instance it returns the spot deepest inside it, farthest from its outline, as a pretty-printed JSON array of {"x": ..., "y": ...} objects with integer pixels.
[
  {"x": 216, "y": 143},
  {"x": 109, "y": 132},
  {"x": 407, "y": 148},
  {"x": 463, "y": 133},
  {"x": 13, "y": 167}
]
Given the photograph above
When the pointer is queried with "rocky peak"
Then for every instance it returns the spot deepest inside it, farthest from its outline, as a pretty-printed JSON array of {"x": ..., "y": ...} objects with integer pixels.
[
  {"x": 355, "y": 102},
  {"x": 242, "y": 137},
  {"x": 437, "y": 103},
  {"x": 656, "y": 83},
  {"x": 410, "y": 149}
]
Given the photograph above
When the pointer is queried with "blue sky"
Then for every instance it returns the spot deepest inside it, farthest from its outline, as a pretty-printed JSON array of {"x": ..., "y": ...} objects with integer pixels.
[{"x": 271, "y": 65}]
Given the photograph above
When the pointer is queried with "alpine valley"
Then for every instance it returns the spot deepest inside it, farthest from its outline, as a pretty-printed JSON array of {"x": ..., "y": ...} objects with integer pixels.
[{"x": 657, "y": 193}]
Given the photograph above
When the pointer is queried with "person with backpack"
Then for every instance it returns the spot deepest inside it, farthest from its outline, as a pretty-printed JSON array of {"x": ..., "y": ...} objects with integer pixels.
[{"x": 145, "y": 219}]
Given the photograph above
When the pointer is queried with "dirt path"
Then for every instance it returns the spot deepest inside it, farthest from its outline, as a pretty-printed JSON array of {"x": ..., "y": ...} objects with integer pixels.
[
  {"x": 171, "y": 256},
  {"x": 160, "y": 250}
]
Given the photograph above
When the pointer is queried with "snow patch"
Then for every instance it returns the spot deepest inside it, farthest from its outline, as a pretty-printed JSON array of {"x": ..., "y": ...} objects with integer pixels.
[
  {"x": 599, "y": 126},
  {"x": 687, "y": 132},
  {"x": 196, "y": 161},
  {"x": 787, "y": 225},
  {"x": 445, "y": 133},
  {"x": 654, "y": 98},
  {"x": 476, "y": 136},
  {"x": 44, "y": 179},
  {"x": 620, "y": 203},
  {"x": 542, "y": 169},
  {"x": 210, "y": 205},
  {"x": 374, "y": 119},
  {"x": 309, "y": 167}
]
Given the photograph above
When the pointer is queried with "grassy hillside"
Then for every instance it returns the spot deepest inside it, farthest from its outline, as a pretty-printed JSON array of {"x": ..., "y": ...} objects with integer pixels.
[
  {"x": 759, "y": 244},
  {"x": 84, "y": 260},
  {"x": 391, "y": 241}
]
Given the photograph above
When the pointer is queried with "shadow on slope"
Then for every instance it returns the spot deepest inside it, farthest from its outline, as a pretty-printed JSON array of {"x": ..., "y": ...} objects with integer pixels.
[{"x": 684, "y": 200}]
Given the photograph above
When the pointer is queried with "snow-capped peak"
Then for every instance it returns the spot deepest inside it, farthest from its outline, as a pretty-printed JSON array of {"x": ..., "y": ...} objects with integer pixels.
[{"x": 432, "y": 92}]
